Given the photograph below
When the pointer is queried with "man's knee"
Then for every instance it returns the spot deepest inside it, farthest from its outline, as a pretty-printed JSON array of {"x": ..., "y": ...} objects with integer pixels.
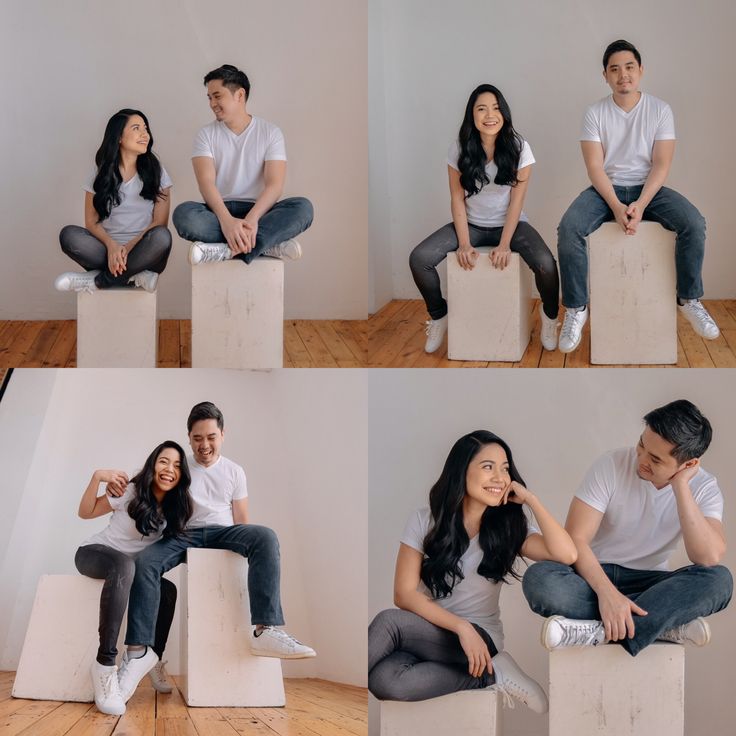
[
  {"x": 186, "y": 216},
  {"x": 540, "y": 582}
]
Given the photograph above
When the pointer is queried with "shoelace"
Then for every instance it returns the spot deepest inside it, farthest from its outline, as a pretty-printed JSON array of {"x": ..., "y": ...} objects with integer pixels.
[
  {"x": 159, "y": 670},
  {"x": 571, "y": 320},
  {"x": 506, "y": 696},
  {"x": 279, "y": 634},
  {"x": 108, "y": 682},
  {"x": 580, "y": 634},
  {"x": 432, "y": 328},
  {"x": 698, "y": 311}
]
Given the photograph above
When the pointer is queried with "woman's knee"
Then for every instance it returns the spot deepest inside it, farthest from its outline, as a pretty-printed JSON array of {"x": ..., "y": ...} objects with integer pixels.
[{"x": 67, "y": 238}]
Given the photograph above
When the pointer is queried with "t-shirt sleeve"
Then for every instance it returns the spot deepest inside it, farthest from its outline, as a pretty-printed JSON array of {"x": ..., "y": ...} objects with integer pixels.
[
  {"x": 165, "y": 179},
  {"x": 120, "y": 502},
  {"x": 276, "y": 150},
  {"x": 415, "y": 530},
  {"x": 591, "y": 129},
  {"x": 241, "y": 487},
  {"x": 526, "y": 157},
  {"x": 710, "y": 499},
  {"x": 531, "y": 522},
  {"x": 666, "y": 125},
  {"x": 598, "y": 484},
  {"x": 202, "y": 145},
  {"x": 89, "y": 182},
  {"x": 453, "y": 155}
]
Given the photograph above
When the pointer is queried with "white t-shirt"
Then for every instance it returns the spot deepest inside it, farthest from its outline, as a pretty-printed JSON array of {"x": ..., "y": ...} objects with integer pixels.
[
  {"x": 134, "y": 214},
  {"x": 474, "y": 598},
  {"x": 120, "y": 533},
  {"x": 640, "y": 527},
  {"x": 488, "y": 207},
  {"x": 239, "y": 159},
  {"x": 213, "y": 491},
  {"x": 628, "y": 137}
]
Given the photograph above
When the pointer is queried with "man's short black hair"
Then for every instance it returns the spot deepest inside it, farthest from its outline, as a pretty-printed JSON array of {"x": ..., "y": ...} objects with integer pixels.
[
  {"x": 682, "y": 424},
  {"x": 205, "y": 410},
  {"x": 620, "y": 45},
  {"x": 231, "y": 77}
]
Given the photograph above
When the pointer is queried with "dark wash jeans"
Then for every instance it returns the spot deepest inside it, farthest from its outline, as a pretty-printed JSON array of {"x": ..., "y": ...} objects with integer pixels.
[
  {"x": 195, "y": 221},
  {"x": 410, "y": 658},
  {"x": 589, "y": 211},
  {"x": 526, "y": 241},
  {"x": 258, "y": 543},
  {"x": 117, "y": 570},
  {"x": 669, "y": 598}
]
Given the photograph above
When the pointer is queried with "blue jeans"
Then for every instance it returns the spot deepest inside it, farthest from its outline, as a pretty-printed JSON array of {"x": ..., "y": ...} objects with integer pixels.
[
  {"x": 669, "y": 598},
  {"x": 589, "y": 211},
  {"x": 258, "y": 543},
  {"x": 195, "y": 221}
]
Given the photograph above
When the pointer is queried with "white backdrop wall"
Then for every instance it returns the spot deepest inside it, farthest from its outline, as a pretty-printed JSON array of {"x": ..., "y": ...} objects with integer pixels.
[
  {"x": 557, "y": 423},
  {"x": 65, "y": 68},
  {"x": 426, "y": 56},
  {"x": 301, "y": 436}
]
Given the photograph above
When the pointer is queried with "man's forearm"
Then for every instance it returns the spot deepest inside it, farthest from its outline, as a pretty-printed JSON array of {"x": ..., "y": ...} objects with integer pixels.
[
  {"x": 268, "y": 198},
  {"x": 655, "y": 181},
  {"x": 588, "y": 567},
  {"x": 703, "y": 544},
  {"x": 603, "y": 185}
]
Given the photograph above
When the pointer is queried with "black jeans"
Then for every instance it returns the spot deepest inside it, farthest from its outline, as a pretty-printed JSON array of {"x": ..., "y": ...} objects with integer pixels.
[
  {"x": 150, "y": 254},
  {"x": 410, "y": 658},
  {"x": 117, "y": 570},
  {"x": 526, "y": 241}
]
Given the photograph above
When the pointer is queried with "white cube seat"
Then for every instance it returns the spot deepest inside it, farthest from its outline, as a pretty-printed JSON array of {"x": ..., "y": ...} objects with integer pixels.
[
  {"x": 489, "y": 310},
  {"x": 633, "y": 306},
  {"x": 117, "y": 328},
  {"x": 238, "y": 314},
  {"x": 218, "y": 669},
  {"x": 605, "y": 690}
]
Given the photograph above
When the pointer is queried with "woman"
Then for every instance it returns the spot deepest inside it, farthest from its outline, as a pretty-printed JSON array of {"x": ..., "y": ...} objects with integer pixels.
[
  {"x": 454, "y": 555},
  {"x": 489, "y": 168},
  {"x": 155, "y": 504},
  {"x": 125, "y": 240}
]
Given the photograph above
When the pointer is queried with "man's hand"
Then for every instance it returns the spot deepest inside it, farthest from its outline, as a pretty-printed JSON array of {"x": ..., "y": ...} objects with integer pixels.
[
  {"x": 634, "y": 212},
  {"x": 685, "y": 475},
  {"x": 234, "y": 230},
  {"x": 621, "y": 214},
  {"x": 616, "y": 613}
]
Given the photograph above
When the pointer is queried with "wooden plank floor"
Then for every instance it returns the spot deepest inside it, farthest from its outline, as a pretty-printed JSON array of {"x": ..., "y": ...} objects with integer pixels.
[
  {"x": 307, "y": 344},
  {"x": 313, "y": 708},
  {"x": 397, "y": 341}
]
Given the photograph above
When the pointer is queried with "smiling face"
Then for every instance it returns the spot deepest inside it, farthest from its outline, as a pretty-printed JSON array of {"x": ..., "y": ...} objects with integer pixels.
[
  {"x": 205, "y": 440},
  {"x": 654, "y": 461},
  {"x": 135, "y": 137},
  {"x": 623, "y": 73},
  {"x": 487, "y": 478},
  {"x": 166, "y": 470},
  {"x": 226, "y": 105},
  {"x": 487, "y": 115}
]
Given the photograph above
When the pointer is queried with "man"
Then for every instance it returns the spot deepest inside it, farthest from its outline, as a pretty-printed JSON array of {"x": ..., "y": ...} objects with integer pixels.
[
  {"x": 628, "y": 141},
  {"x": 219, "y": 521},
  {"x": 240, "y": 164},
  {"x": 626, "y": 519}
]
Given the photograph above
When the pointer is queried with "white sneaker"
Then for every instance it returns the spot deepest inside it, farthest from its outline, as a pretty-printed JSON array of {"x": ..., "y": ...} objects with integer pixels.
[
  {"x": 145, "y": 280},
  {"x": 697, "y": 315},
  {"x": 289, "y": 250},
  {"x": 133, "y": 670},
  {"x": 273, "y": 642},
  {"x": 72, "y": 281},
  {"x": 209, "y": 253},
  {"x": 107, "y": 690},
  {"x": 695, "y": 632},
  {"x": 512, "y": 680},
  {"x": 559, "y": 632},
  {"x": 435, "y": 331},
  {"x": 159, "y": 679},
  {"x": 549, "y": 329},
  {"x": 572, "y": 329}
]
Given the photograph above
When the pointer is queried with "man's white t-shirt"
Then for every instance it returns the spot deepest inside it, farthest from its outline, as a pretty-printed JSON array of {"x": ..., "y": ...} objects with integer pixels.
[
  {"x": 488, "y": 207},
  {"x": 213, "y": 491},
  {"x": 239, "y": 159},
  {"x": 640, "y": 527},
  {"x": 134, "y": 214},
  {"x": 474, "y": 598},
  {"x": 120, "y": 533},
  {"x": 628, "y": 137}
]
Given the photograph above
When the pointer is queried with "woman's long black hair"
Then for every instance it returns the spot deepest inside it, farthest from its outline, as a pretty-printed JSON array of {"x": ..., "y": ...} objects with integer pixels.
[
  {"x": 503, "y": 529},
  {"x": 108, "y": 180},
  {"x": 176, "y": 507},
  {"x": 472, "y": 160}
]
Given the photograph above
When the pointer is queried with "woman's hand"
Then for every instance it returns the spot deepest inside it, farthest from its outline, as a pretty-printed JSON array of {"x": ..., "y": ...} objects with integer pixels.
[
  {"x": 500, "y": 256},
  {"x": 117, "y": 259},
  {"x": 466, "y": 257},
  {"x": 479, "y": 658},
  {"x": 117, "y": 481},
  {"x": 516, "y": 493}
]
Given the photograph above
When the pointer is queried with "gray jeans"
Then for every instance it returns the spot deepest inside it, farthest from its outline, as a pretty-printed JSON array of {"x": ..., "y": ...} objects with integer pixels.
[{"x": 410, "y": 658}]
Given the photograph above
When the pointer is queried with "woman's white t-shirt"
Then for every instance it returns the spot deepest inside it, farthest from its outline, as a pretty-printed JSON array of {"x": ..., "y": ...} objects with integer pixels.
[
  {"x": 474, "y": 598},
  {"x": 488, "y": 207},
  {"x": 134, "y": 214},
  {"x": 120, "y": 533}
]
